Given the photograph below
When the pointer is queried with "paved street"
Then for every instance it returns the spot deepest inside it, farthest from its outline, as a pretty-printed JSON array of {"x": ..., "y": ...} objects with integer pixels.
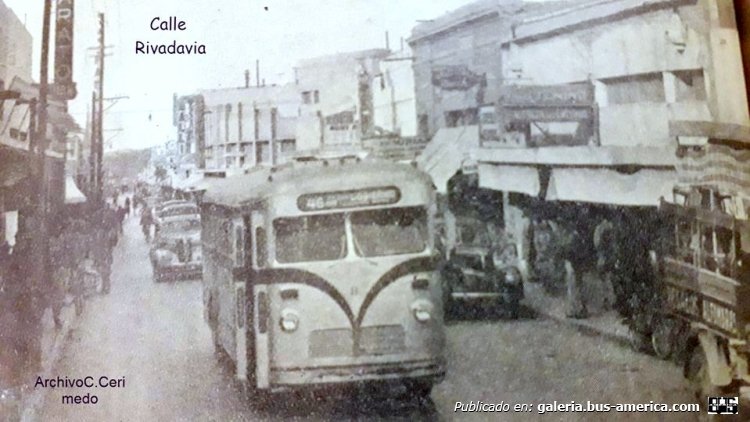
[{"x": 155, "y": 337}]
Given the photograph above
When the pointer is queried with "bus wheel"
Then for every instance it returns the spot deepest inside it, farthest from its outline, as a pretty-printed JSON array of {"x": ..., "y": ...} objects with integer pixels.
[
  {"x": 420, "y": 391},
  {"x": 259, "y": 400},
  {"x": 697, "y": 373}
]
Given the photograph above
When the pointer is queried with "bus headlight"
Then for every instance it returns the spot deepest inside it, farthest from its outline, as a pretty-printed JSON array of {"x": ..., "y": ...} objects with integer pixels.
[
  {"x": 422, "y": 310},
  {"x": 289, "y": 320}
]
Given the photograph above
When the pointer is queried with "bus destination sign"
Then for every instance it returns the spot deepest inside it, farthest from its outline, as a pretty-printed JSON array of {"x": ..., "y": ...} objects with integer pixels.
[{"x": 349, "y": 198}]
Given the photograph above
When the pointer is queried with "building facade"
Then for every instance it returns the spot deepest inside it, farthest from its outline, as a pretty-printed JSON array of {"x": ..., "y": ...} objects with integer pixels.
[
  {"x": 336, "y": 98},
  {"x": 245, "y": 127},
  {"x": 188, "y": 120},
  {"x": 15, "y": 47},
  {"x": 394, "y": 103},
  {"x": 458, "y": 61}
]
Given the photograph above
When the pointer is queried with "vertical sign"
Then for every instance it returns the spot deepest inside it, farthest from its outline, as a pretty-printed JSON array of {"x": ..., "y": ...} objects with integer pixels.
[{"x": 64, "y": 87}]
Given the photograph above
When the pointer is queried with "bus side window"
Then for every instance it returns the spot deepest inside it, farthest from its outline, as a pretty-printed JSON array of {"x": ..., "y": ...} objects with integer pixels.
[
  {"x": 239, "y": 249},
  {"x": 725, "y": 250},
  {"x": 261, "y": 247},
  {"x": 683, "y": 233}
]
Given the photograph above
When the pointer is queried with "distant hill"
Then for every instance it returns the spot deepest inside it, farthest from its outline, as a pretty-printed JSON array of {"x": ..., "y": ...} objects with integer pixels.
[{"x": 126, "y": 163}]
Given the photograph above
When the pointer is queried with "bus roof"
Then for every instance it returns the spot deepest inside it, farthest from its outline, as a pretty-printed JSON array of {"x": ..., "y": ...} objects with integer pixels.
[{"x": 311, "y": 176}]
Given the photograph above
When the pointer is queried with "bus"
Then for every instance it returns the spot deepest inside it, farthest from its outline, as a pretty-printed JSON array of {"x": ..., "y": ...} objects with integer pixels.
[
  {"x": 323, "y": 272},
  {"x": 706, "y": 272}
]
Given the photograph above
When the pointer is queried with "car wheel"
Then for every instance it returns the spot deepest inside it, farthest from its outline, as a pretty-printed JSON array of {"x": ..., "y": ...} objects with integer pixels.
[{"x": 663, "y": 338}]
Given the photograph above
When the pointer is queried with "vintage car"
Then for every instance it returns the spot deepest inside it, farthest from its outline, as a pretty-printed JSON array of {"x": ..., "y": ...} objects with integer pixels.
[
  {"x": 484, "y": 278},
  {"x": 176, "y": 250}
]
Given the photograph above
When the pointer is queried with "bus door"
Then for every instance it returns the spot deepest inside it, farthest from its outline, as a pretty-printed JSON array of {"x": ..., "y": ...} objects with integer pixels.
[{"x": 258, "y": 331}]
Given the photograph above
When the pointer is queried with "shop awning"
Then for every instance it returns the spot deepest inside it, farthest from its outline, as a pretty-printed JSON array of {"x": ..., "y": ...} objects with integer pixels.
[
  {"x": 189, "y": 183},
  {"x": 521, "y": 179},
  {"x": 641, "y": 188},
  {"x": 73, "y": 195},
  {"x": 447, "y": 153}
]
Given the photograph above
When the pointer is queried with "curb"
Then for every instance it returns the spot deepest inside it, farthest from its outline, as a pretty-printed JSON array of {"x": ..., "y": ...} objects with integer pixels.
[{"x": 586, "y": 329}]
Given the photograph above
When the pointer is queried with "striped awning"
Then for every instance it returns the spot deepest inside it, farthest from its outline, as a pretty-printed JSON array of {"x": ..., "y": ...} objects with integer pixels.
[{"x": 722, "y": 166}]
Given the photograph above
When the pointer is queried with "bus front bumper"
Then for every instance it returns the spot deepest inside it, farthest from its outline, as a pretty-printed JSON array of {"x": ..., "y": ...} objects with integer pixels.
[{"x": 432, "y": 371}]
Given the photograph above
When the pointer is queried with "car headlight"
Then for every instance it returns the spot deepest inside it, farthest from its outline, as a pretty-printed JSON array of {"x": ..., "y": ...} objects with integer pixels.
[
  {"x": 512, "y": 276},
  {"x": 422, "y": 310},
  {"x": 289, "y": 320}
]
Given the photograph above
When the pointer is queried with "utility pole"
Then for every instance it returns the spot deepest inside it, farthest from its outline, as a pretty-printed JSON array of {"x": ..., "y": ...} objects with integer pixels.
[
  {"x": 100, "y": 114},
  {"x": 92, "y": 148},
  {"x": 40, "y": 245}
]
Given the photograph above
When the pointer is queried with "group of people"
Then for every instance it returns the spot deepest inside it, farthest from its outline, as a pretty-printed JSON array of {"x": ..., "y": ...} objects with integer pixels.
[{"x": 39, "y": 274}]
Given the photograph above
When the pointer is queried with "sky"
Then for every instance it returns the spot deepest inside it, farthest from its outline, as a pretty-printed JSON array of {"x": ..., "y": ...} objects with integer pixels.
[{"x": 235, "y": 33}]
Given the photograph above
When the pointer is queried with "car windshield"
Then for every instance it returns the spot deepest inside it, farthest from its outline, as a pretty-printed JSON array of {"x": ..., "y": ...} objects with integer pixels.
[
  {"x": 180, "y": 225},
  {"x": 179, "y": 210},
  {"x": 311, "y": 238},
  {"x": 390, "y": 231}
]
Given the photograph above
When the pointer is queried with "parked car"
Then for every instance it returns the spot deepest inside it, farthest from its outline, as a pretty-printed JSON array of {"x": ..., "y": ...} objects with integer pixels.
[
  {"x": 176, "y": 249},
  {"x": 482, "y": 277}
]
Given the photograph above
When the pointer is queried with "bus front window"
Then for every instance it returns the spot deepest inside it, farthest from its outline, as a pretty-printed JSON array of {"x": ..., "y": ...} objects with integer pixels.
[
  {"x": 390, "y": 231},
  {"x": 311, "y": 238}
]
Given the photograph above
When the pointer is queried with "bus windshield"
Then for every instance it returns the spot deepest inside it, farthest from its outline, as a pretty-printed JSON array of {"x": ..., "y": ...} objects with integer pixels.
[
  {"x": 311, "y": 238},
  {"x": 390, "y": 231}
]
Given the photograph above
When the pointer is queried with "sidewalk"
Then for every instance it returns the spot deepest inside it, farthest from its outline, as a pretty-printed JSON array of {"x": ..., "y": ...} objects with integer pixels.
[
  {"x": 53, "y": 342},
  {"x": 602, "y": 320}
]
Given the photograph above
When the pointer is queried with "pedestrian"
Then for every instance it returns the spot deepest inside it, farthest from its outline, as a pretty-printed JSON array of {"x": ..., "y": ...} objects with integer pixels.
[
  {"x": 146, "y": 221},
  {"x": 127, "y": 206},
  {"x": 12, "y": 330},
  {"x": 27, "y": 306},
  {"x": 60, "y": 260},
  {"x": 121, "y": 212}
]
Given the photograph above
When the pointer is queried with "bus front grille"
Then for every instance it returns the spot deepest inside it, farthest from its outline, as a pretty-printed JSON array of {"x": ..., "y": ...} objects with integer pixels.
[
  {"x": 375, "y": 340},
  {"x": 331, "y": 343},
  {"x": 382, "y": 340}
]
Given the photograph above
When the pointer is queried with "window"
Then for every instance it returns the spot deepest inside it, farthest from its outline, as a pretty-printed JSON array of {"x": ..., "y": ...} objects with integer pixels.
[
  {"x": 684, "y": 241},
  {"x": 311, "y": 97},
  {"x": 239, "y": 122},
  {"x": 239, "y": 250},
  {"x": 455, "y": 118},
  {"x": 636, "y": 89},
  {"x": 391, "y": 231},
  {"x": 311, "y": 238},
  {"x": 261, "y": 247},
  {"x": 228, "y": 111}
]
